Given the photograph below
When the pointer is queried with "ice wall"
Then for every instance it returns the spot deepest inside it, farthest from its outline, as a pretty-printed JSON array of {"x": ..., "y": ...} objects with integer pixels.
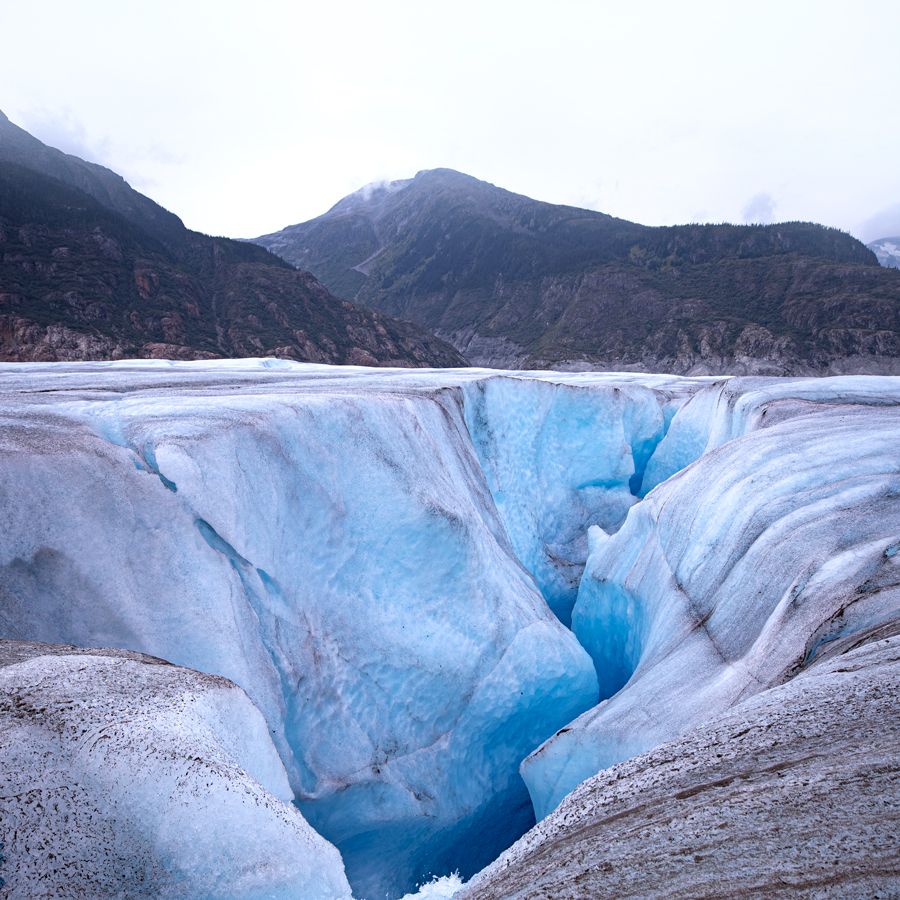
[
  {"x": 559, "y": 458},
  {"x": 334, "y": 551},
  {"x": 736, "y": 572}
]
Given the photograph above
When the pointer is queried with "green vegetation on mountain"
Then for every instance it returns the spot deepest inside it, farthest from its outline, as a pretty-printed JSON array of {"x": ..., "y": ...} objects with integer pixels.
[{"x": 513, "y": 281}]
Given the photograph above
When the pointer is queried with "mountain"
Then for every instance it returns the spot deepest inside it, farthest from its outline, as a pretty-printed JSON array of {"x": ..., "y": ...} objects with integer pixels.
[
  {"x": 887, "y": 250},
  {"x": 512, "y": 281},
  {"x": 92, "y": 269}
]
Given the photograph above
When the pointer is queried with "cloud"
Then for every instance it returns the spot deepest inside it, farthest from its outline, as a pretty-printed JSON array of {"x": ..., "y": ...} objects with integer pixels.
[
  {"x": 60, "y": 129},
  {"x": 144, "y": 165},
  {"x": 760, "y": 209},
  {"x": 885, "y": 223}
]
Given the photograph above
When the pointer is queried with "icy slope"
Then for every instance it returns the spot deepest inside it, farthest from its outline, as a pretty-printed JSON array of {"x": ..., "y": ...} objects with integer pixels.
[
  {"x": 791, "y": 793},
  {"x": 121, "y": 775},
  {"x": 330, "y": 544},
  {"x": 559, "y": 458},
  {"x": 729, "y": 408},
  {"x": 736, "y": 572}
]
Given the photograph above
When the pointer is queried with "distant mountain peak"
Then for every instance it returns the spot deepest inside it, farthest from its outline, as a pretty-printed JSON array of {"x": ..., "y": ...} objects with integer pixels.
[
  {"x": 511, "y": 281},
  {"x": 108, "y": 188},
  {"x": 445, "y": 174},
  {"x": 887, "y": 249},
  {"x": 370, "y": 194}
]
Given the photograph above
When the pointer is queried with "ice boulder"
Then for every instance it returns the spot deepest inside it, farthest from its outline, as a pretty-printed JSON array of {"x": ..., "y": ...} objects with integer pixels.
[
  {"x": 731, "y": 576},
  {"x": 123, "y": 776}
]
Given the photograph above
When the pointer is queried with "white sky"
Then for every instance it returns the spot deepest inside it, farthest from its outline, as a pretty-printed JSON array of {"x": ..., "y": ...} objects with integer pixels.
[{"x": 246, "y": 117}]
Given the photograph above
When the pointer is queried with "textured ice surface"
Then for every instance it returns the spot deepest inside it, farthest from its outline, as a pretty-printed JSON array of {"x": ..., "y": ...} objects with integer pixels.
[
  {"x": 364, "y": 552},
  {"x": 444, "y": 888},
  {"x": 793, "y": 793},
  {"x": 327, "y": 540},
  {"x": 123, "y": 776},
  {"x": 559, "y": 458},
  {"x": 730, "y": 407},
  {"x": 737, "y": 571}
]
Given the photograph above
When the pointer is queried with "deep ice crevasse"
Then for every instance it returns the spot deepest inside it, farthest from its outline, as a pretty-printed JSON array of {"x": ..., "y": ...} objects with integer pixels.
[
  {"x": 366, "y": 566},
  {"x": 335, "y": 552},
  {"x": 560, "y": 458}
]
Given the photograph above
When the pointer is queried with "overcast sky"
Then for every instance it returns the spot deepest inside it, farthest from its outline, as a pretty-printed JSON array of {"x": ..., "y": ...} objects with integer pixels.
[{"x": 246, "y": 117}]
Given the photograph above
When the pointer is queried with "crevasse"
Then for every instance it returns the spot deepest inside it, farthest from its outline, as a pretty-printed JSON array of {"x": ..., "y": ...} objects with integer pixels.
[
  {"x": 371, "y": 555},
  {"x": 767, "y": 544}
]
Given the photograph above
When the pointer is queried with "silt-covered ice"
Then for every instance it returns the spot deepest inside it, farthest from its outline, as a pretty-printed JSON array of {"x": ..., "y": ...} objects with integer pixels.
[{"x": 121, "y": 776}]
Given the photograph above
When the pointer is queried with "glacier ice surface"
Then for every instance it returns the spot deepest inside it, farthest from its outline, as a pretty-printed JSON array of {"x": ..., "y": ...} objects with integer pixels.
[
  {"x": 368, "y": 553},
  {"x": 442, "y": 888},
  {"x": 330, "y": 544},
  {"x": 792, "y": 792},
  {"x": 125, "y": 776},
  {"x": 737, "y": 571}
]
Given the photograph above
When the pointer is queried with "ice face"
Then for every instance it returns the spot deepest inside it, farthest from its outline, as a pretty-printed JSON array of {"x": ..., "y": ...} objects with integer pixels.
[
  {"x": 130, "y": 777},
  {"x": 337, "y": 553},
  {"x": 736, "y": 572},
  {"x": 558, "y": 459}
]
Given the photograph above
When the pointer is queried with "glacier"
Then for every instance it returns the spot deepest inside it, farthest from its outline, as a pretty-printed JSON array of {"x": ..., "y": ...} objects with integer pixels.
[
  {"x": 386, "y": 562},
  {"x": 328, "y": 542}
]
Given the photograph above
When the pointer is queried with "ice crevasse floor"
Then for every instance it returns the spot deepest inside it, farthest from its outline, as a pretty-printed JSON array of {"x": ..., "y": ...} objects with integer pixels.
[{"x": 388, "y": 562}]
